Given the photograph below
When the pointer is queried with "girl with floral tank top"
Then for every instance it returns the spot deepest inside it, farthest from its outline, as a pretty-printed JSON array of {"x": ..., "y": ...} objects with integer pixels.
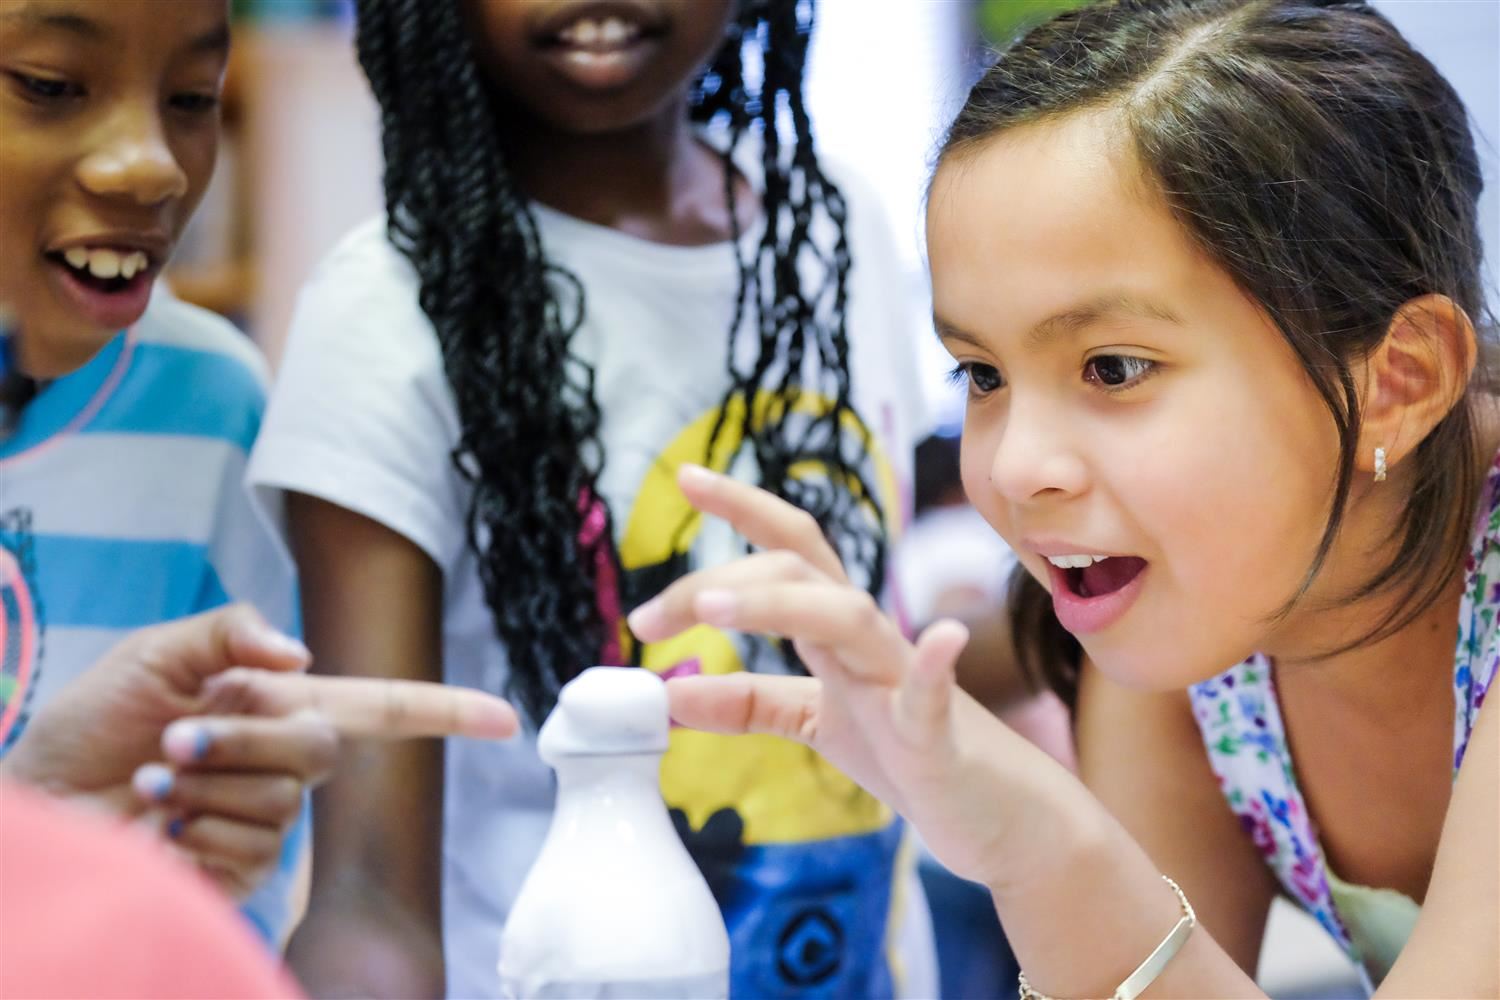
[{"x": 1228, "y": 405}]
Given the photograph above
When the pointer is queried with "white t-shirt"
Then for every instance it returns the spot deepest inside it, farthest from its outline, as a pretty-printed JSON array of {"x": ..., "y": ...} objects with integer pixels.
[{"x": 362, "y": 416}]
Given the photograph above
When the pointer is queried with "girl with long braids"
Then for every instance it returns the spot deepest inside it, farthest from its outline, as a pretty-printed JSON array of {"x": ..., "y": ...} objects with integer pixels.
[{"x": 609, "y": 248}]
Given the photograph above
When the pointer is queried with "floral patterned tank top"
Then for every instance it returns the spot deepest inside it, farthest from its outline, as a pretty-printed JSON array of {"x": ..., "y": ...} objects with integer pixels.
[{"x": 1238, "y": 715}]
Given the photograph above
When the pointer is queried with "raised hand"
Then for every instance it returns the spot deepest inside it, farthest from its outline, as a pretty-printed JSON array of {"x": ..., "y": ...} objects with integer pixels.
[{"x": 884, "y": 710}]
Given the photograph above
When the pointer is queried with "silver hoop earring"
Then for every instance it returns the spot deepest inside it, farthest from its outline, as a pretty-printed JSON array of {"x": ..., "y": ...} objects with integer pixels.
[{"x": 1380, "y": 469}]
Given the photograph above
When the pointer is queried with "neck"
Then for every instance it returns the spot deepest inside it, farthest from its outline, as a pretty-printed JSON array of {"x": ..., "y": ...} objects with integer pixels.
[
  {"x": 662, "y": 184},
  {"x": 1384, "y": 679}
]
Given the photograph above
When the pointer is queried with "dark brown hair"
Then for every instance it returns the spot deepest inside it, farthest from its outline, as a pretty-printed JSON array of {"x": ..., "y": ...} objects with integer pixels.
[{"x": 1329, "y": 169}]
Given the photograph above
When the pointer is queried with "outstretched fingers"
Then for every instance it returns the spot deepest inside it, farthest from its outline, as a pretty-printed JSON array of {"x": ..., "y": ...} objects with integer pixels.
[
  {"x": 673, "y": 610},
  {"x": 842, "y": 619},
  {"x": 764, "y": 519}
]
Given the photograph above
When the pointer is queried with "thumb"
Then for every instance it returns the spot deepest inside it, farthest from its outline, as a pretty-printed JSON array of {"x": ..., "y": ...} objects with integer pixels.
[
  {"x": 191, "y": 650},
  {"x": 926, "y": 693}
]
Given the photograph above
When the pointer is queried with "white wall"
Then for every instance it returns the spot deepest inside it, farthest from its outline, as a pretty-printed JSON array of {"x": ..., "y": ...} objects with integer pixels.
[
  {"x": 1462, "y": 38},
  {"x": 313, "y": 151}
]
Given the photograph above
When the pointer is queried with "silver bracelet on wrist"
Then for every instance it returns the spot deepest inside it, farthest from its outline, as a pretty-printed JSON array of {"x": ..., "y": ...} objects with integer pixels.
[{"x": 1145, "y": 974}]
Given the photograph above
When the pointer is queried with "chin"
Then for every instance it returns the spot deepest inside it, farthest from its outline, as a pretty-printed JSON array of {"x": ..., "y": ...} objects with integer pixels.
[{"x": 1147, "y": 667}]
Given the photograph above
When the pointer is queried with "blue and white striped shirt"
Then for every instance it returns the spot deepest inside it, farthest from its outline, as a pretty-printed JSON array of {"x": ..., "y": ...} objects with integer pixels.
[{"x": 121, "y": 490}]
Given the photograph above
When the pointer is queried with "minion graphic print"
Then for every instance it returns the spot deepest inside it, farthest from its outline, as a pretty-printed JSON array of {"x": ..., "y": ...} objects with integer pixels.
[{"x": 801, "y": 860}]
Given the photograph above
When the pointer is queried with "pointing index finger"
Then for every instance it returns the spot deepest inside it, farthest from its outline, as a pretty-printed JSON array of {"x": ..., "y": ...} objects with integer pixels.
[{"x": 378, "y": 708}]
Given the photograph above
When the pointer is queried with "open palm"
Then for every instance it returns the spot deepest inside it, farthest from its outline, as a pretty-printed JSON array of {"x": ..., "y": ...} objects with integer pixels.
[{"x": 882, "y": 709}]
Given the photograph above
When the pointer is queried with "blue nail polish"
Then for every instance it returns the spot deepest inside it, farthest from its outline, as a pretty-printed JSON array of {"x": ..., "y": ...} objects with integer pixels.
[
  {"x": 174, "y": 828},
  {"x": 201, "y": 742},
  {"x": 158, "y": 781}
]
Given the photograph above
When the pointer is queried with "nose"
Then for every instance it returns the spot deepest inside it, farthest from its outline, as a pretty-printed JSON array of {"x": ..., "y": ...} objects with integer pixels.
[
  {"x": 1035, "y": 457},
  {"x": 135, "y": 162}
]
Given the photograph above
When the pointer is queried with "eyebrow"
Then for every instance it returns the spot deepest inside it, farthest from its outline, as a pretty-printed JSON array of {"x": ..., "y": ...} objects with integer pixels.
[
  {"x": 1072, "y": 320},
  {"x": 57, "y": 20},
  {"x": 70, "y": 22},
  {"x": 216, "y": 39}
]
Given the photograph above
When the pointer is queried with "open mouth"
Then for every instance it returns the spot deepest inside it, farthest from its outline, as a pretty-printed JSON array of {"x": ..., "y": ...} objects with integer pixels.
[
  {"x": 1091, "y": 592},
  {"x": 1100, "y": 576},
  {"x": 110, "y": 285},
  {"x": 103, "y": 270}
]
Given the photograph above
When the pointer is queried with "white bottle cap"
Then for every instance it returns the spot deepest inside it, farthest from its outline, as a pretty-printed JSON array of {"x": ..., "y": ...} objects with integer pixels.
[{"x": 607, "y": 710}]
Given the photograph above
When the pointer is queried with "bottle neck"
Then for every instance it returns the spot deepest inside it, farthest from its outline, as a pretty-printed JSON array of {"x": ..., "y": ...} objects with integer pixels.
[{"x": 609, "y": 781}]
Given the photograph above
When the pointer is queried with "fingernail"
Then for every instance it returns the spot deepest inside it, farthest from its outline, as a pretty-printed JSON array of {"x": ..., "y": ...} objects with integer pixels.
[
  {"x": 185, "y": 742},
  {"x": 293, "y": 647},
  {"x": 717, "y": 607},
  {"x": 174, "y": 828},
  {"x": 694, "y": 475},
  {"x": 280, "y": 642},
  {"x": 647, "y": 618},
  {"x": 153, "y": 782}
]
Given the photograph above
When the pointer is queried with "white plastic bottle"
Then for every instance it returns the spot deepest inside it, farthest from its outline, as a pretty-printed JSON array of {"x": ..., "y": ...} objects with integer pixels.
[{"x": 614, "y": 906}]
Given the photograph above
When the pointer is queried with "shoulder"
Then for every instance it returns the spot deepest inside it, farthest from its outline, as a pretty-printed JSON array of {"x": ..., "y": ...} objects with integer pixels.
[
  {"x": 364, "y": 270},
  {"x": 366, "y": 251},
  {"x": 361, "y": 306},
  {"x": 359, "y": 327}
]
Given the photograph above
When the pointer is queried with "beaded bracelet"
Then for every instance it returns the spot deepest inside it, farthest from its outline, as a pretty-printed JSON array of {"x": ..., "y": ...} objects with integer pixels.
[{"x": 1145, "y": 974}]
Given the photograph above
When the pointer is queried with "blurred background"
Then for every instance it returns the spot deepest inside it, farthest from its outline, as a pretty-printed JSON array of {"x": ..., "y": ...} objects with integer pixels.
[
  {"x": 301, "y": 165},
  {"x": 301, "y": 161}
]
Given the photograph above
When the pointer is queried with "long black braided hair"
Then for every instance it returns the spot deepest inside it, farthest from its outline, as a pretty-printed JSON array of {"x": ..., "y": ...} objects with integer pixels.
[{"x": 530, "y": 440}]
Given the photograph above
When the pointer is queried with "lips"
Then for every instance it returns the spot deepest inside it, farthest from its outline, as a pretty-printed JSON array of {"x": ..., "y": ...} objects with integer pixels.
[
  {"x": 96, "y": 284},
  {"x": 1091, "y": 598},
  {"x": 600, "y": 46}
]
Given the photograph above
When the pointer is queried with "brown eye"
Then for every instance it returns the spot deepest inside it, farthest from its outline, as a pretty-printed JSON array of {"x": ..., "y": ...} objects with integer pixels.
[
  {"x": 985, "y": 378},
  {"x": 43, "y": 89},
  {"x": 1116, "y": 371},
  {"x": 981, "y": 379},
  {"x": 196, "y": 104}
]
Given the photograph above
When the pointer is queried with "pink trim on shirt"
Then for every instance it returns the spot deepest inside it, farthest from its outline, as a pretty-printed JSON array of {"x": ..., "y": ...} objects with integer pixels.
[
  {"x": 91, "y": 408},
  {"x": 26, "y": 615}
]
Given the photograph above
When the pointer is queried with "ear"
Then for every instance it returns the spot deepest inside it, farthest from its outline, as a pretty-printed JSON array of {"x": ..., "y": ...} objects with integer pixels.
[{"x": 1415, "y": 377}]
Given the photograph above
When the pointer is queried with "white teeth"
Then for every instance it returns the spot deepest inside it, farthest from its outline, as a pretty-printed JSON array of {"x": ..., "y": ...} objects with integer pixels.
[
  {"x": 107, "y": 264},
  {"x": 609, "y": 32},
  {"x": 104, "y": 264},
  {"x": 1075, "y": 562},
  {"x": 586, "y": 32}
]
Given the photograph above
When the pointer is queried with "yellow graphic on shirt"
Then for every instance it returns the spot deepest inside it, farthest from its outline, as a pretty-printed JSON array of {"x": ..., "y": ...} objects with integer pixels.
[{"x": 784, "y": 792}]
